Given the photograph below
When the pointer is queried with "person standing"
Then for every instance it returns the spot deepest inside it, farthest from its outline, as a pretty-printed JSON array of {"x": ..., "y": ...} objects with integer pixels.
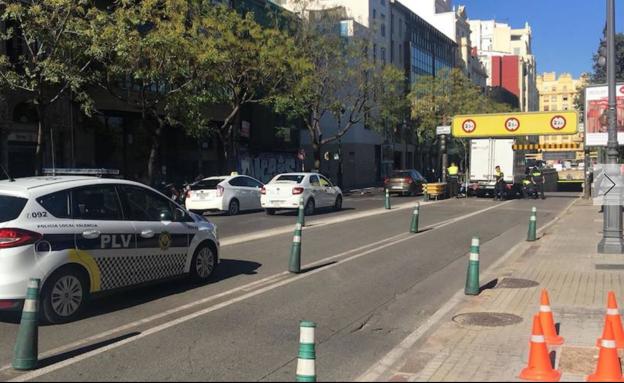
[
  {"x": 538, "y": 180},
  {"x": 452, "y": 172},
  {"x": 499, "y": 186}
]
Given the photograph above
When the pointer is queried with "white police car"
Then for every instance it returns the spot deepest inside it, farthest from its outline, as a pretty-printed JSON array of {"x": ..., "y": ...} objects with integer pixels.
[{"x": 86, "y": 235}]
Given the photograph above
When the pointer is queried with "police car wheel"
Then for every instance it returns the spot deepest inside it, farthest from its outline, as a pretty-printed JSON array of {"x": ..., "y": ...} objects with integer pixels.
[
  {"x": 338, "y": 203},
  {"x": 64, "y": 296},
  {"x": 204, "y": 263}
]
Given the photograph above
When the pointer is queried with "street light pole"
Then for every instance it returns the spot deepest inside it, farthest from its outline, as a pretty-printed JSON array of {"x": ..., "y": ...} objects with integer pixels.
[{"x": 611, "y": 242}]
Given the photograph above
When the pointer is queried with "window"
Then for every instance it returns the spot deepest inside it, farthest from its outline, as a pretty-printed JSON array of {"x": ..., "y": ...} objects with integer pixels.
[
  {"x": 96, "y": 203},
  {"x": 325, "y": 182},
  {"x": 207, "y": 184},
  {"x": 382, "y": 52},
  {"x": 383, "y": 30},
  {"x": 314, "y": 181},
  {"x": 374, "y": 13},
  {"x": 57, "y": 204},
  {"x": 374, "y": 53},
  {"x": 141, "y": 204},
  {"x": 546, "y": 108},
  {"x": 289, "y": 178},
  {"x": 11, "y": 207},
  {"x": 238, "y": 181},
  {"x": 252, "y": 183}
]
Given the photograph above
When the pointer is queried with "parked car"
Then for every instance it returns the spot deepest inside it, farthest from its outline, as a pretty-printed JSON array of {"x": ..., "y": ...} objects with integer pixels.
[
  {"x": 82, "y": 236},
  {"x": 405, "y": 182},
  {"x": 285, "y": 190},
  {"x": 230, "y": 194}
]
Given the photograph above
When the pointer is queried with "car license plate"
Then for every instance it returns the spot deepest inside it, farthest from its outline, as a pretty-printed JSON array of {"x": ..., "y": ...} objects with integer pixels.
[{"x": 397, "y": 187}]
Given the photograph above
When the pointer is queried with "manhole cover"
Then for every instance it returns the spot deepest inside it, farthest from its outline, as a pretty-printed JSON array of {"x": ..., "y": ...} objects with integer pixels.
[
  {"x": 487, "y": 319},
  {"x": 516, "y": 283}
]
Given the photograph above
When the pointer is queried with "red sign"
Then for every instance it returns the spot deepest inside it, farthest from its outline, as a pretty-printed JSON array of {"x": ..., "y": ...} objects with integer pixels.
[
  {"x": 469, "y": 126},
  {"x": 558, "y": 122},
  {"x": 512, "y": 124}
]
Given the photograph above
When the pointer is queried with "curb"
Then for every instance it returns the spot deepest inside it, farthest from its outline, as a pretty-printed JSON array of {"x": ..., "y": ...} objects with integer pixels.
[{"x": 392, "y": 358}]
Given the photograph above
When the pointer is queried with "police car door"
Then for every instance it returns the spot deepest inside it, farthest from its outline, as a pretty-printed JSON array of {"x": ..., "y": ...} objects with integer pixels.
[
  {"x": 162, "y": 241},
  {"x": 103, "y": 234}
]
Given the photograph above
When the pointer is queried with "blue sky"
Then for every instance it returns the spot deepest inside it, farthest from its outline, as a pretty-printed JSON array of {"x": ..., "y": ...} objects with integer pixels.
[{"x": 566, "y": 33}]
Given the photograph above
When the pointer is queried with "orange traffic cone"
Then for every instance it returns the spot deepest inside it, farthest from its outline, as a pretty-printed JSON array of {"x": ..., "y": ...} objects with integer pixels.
[
  {"x": 547, "y": 321},
  {"x": 608, "y": 369},
  {"x": 539, "y": 368},
  {"x": 613, "y": 317}
]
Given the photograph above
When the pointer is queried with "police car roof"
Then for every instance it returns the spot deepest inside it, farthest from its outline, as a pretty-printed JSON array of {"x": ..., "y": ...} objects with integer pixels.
[{"x": 24, "y": 186}]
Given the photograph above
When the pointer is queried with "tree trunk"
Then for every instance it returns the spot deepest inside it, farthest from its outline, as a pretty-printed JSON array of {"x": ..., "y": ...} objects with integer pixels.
[
  {"x": 155, "y": 135},
  {"x": 41, "y": 138},
  {"x": 316, "y": 149}
]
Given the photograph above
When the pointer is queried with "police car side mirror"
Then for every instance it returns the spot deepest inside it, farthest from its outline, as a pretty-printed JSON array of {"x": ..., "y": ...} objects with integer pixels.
[{"x": 179, "y": 214}]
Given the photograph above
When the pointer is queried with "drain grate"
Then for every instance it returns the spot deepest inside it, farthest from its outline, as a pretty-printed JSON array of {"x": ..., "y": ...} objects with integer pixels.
[
  {"x": 516, "y": 283},
  {"x": 487, "y": 319},
  {"x": 609, "y": 267}
]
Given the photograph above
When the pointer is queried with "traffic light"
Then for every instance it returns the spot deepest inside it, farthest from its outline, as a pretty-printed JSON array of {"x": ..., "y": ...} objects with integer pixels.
[{"x": 602, "y": 53}]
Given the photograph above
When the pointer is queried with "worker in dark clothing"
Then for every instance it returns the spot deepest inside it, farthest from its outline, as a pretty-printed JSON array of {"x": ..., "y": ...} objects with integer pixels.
[
  {"x": 538, "y": 179},
  {"x": 499, "y": 186},
  {"x": 528, "y": 189}
]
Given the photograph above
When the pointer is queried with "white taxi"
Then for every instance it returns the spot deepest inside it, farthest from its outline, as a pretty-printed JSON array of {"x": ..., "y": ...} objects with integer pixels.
[
  {"x": 285, "y": 190},
  {"x": 230, "y": 194},
  {"x": 85, "y": 235}
]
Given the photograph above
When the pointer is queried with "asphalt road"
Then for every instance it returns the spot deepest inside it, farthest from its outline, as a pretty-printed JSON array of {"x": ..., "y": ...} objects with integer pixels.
[{"x": 367, "y": 284}]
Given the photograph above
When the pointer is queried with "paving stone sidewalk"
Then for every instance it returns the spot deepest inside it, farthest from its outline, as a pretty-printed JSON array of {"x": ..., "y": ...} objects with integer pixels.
[{"x": 493, "y": 347}]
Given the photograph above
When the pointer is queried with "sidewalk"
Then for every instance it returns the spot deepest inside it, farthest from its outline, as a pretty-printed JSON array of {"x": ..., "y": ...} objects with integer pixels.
[{"x": 494, "y": 347}]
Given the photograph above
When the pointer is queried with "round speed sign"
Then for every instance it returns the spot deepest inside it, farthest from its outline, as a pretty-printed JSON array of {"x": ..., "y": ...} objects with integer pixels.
[{"x": 558, "y": 122}]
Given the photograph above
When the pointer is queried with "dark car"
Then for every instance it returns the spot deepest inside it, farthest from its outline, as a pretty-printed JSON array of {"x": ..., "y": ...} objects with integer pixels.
[{"x": 405, "y": 182}]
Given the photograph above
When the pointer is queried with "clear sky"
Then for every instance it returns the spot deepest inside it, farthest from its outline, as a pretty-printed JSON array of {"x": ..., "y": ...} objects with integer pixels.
[{"x": 566, "y": 33}]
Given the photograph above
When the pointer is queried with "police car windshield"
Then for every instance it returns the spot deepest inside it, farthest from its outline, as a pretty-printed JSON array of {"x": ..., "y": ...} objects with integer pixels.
[
  {"x": 207, "y": 184},
  {"x": 11, "y": 207}
]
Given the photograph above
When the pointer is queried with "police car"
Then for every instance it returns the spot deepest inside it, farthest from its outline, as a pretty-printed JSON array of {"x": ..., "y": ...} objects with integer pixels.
[{"x": 86, "y": 235}]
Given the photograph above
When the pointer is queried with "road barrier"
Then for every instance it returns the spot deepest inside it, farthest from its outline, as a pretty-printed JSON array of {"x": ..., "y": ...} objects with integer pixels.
[
  {"x": 472, "y": 277},
  {"x": 434, "y": 190},
  {"x": 532, "y": 236},
  {"x": 613, "y": 317},
  {"x": 301, "y": 216},
  {"x": 414, "y": 224},
  {"x": 294, "y": 264},
  {"x": 387, "y": 203},
  {"x": 539, "y": 368},
  {"x": 26, "y": 352},
  {"x": 547, "y": 321},
  {"x": 306, "y": 361},
  {"x": 608, "y": 368}
]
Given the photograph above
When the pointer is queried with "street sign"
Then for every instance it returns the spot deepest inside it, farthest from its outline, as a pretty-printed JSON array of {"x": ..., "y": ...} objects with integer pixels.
[
  {"x": 516, "y": 124},
  {"x": 440, "y": 130}
]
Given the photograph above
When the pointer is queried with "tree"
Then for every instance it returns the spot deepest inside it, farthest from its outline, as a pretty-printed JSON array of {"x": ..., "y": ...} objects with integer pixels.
[
  {"x": 153, "y": 48},
  {"x": 55, "y": 56},
  {"x": 254, "y": 65},
  {"x": 436, "y": 100},
  {"x": 342, "y": 82}
]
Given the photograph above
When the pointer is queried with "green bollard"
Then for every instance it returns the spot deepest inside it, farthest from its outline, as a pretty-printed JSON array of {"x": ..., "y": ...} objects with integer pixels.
[
  {"x": 306, "y": 361},
  {"x": 532, "y": 236},
  {"x": 294, "y": 264},
  {"x": 472, "y": 279},
  {"x": 414, "y": 225},
  {"x": 26, "y": 351},
  {"x": 301, "y": 216},
  {"x": 387, "y": 200}
]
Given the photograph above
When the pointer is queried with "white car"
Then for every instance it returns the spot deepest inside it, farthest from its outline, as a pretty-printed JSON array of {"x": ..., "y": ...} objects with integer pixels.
[
  {"x": 285, "y": 190},
  {"x": 226, "y": 193},
  {"x": 85, "y": 235}
]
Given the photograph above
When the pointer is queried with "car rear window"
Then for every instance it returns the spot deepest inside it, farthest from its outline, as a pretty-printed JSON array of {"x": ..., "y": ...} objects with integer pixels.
[
  {"x": 207, "y": 184},
  {"x": 11, "y": 207},
  {"x": 290, "y": 178},
  {"x": 401, "y": 174}
]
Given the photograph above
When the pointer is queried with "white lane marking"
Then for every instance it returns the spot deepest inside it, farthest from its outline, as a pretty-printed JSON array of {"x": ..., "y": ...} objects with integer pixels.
[
  {"x": 392, "y": 357},
  {"x": 54, "y": 367},
  {"x": 237, "y": 239}
]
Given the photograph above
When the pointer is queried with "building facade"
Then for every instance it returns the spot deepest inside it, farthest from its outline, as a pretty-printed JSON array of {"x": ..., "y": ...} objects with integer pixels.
[
  {"x": 507, "y": 56},
  {"x": 558, "y": 94}
]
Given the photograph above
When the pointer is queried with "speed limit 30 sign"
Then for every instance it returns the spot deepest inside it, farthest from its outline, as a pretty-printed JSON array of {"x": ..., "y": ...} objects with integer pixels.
[
  {"x": 469, "y": 126},
  {"x": 558, "y": 122}
]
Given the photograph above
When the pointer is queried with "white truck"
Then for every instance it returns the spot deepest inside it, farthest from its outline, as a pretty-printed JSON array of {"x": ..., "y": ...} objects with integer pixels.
[{"x": 485, "y": 155}]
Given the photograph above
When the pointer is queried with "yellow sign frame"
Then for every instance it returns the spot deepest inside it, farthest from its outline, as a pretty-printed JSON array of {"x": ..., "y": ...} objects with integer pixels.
[{"x": 515, "y": 124}]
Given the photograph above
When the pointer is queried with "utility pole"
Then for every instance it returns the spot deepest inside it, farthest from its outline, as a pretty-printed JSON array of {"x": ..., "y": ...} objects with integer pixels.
[{"x": 611, "y": 242}]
